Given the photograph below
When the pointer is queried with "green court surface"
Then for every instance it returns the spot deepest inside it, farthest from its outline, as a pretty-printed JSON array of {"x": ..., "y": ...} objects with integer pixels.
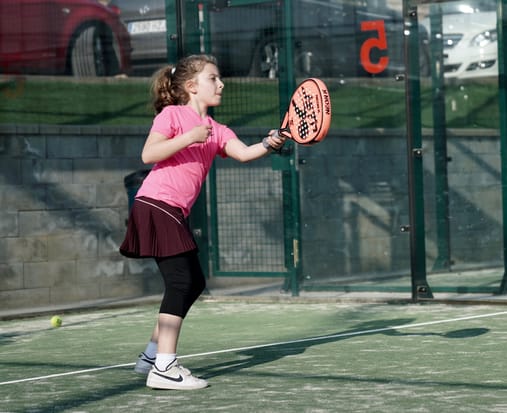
[{"x": 265, "y": 357}]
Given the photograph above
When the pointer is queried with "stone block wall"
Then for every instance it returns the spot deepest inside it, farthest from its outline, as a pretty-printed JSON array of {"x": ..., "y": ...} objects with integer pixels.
[{"x": 63, "y": 209}]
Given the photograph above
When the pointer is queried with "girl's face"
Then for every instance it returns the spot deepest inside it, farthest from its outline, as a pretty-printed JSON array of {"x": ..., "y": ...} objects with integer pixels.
[{"x": 208, "y": 86}]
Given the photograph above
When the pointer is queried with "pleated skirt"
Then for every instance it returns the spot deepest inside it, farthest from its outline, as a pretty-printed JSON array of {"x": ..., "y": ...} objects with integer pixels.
[{"x": 156, "y": 229}]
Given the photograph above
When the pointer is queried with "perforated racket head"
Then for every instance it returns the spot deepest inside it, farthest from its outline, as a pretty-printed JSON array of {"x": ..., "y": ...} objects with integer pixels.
[{"x": 308, "y": 117}]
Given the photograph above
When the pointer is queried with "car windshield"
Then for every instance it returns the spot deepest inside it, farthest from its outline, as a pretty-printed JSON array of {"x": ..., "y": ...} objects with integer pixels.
[{"x": 468, "y": 7}]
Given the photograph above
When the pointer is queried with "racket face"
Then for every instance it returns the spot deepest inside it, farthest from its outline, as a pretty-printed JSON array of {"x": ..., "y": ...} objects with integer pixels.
[{"x": 309, "y": 114}]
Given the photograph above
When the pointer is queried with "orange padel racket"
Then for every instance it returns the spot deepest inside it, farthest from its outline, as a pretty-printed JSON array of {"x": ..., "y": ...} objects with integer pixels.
[{"x": 308, "y": 116}]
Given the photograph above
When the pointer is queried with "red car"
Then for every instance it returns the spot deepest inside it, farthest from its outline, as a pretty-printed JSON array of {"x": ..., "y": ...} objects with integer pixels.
[{"x": 72, "y": 37}]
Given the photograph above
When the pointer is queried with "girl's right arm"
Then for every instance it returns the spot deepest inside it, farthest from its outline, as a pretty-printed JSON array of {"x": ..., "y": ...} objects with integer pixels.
[{"x": 158, "y": 148}]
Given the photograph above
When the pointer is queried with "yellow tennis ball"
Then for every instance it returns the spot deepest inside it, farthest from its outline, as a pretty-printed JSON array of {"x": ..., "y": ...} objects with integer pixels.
[{"x": 56, "y": 321}]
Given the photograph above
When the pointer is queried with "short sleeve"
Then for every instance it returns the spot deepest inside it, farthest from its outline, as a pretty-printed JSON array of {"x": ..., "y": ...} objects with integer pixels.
[
  {"x": 225, "y": 135},
  {"x": 164, "y": 123}
]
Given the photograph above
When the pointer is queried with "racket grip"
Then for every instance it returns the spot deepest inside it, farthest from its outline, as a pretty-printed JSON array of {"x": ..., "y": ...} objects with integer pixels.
[{"x": 282, "y": 134}]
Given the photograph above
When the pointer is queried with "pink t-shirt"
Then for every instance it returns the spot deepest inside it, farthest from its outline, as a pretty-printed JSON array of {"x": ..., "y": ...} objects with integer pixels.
[{"x": 177, "y": 180}]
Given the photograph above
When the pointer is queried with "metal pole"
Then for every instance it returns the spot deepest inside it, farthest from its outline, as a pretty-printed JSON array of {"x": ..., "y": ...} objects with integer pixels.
[
  {"x": 180, "y": 27},
  {"x": 290, "y": 177},
  {"x": 502, "y": 93},
  {"x": 443, "y": 260},
  {"x": 420, "y": 287},
  {"x": 171, "y": 31}
]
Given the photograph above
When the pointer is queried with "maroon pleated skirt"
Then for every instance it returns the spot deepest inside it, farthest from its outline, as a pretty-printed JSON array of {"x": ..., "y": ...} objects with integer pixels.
[{"x": 156, "y": 229}]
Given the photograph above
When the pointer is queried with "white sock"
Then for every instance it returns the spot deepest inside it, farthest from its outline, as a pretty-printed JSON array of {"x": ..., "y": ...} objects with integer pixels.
[
  {"x": 151, "y": 350},
  {"x": 163, "y": 360}
]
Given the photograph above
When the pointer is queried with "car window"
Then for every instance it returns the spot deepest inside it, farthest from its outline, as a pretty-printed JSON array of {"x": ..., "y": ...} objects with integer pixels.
[{"x": 476, "y": 6}]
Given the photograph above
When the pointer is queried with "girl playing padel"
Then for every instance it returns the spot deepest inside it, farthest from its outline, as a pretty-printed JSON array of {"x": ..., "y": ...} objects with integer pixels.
[{"x": 182, "y": 143}]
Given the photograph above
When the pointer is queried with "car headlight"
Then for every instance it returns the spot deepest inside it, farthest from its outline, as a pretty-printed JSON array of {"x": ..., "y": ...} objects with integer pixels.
[{"x": 485, "y": 38}]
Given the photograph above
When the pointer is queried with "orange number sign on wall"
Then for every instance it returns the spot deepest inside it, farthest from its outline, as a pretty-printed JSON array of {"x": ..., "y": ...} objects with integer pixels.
[{"x": 377, "y": 41}]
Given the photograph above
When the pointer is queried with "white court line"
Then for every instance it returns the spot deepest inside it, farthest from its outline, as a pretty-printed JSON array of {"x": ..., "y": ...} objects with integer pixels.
[
  {"x": 281, "y": 343},
  {"x": 69, "y": 373}
]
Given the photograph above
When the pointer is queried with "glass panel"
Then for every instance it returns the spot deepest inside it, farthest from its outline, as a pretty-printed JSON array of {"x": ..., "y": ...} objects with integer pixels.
[
  {"x": 353, "y": 186},
  {"x": 462, "y": 148}
]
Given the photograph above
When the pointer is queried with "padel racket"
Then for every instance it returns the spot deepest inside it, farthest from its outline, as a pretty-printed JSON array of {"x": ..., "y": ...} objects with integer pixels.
[{"x": 308, "y": 116}]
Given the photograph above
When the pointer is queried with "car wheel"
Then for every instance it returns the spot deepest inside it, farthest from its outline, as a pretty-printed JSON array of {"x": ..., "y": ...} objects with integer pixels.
[
  {"x": 308, "y": 64},
  {"x": 265, "y": 59},
  {"x": 265, "y": 62},
  {"x": 94, "y": 53}
]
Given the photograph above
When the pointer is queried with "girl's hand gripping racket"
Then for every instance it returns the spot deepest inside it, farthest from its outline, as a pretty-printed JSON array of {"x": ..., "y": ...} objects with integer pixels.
[{"x": 308, "y": 116}]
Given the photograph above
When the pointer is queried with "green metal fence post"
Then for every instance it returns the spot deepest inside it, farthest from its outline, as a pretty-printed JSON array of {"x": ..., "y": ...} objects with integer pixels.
[
  {"x": 290, "y": 177},
  {"x": 420, "y": 287},
  {"x": 502, "y": 95},
  {"x": 443, "y": 260},
  {"x": 172, "y": 31}
]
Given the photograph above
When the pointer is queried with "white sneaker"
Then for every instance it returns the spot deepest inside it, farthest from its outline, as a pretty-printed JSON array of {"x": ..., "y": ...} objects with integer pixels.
[
  {"x": 175, "y": 377},
  {"x": 144, "y": 364}
]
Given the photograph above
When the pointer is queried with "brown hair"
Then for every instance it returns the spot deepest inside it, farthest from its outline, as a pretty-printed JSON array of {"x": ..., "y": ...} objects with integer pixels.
[{"x": 168, "y": 83}]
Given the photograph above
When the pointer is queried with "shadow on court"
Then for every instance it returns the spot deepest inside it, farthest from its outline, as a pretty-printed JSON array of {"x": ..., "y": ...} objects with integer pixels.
[
  {"x": 273, "y": 352},
  {"x": 65, "y": 402}
]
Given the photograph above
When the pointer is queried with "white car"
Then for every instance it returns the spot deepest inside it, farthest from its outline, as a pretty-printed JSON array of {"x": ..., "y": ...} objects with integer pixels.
[{"x": 470, "y": 45}]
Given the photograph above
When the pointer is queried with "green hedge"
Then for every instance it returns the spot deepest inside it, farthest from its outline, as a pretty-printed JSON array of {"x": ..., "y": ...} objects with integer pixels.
[{"x": 357, "y": 103}]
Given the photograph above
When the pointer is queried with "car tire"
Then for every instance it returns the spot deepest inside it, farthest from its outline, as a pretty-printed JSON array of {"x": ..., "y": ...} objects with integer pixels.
[
  {"x": 265, "y": 59},
  {"x": 308, "y": 64},
  {"x": 94, "y": 52}
]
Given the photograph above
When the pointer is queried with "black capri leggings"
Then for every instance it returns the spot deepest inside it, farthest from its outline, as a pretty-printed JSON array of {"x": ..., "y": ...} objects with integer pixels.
[{"x": 184, "y": 282}]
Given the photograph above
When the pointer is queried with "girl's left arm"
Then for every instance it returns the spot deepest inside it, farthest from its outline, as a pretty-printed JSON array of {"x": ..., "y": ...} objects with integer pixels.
[{"x": 236, "y": 149}]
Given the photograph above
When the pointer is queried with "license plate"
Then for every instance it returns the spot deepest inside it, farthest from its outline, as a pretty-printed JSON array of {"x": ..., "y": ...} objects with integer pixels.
[{"x": 147, "y": 26}]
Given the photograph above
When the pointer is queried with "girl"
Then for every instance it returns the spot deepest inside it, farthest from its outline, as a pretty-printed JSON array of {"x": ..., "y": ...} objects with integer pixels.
[{"x": 182, "y": 144}]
